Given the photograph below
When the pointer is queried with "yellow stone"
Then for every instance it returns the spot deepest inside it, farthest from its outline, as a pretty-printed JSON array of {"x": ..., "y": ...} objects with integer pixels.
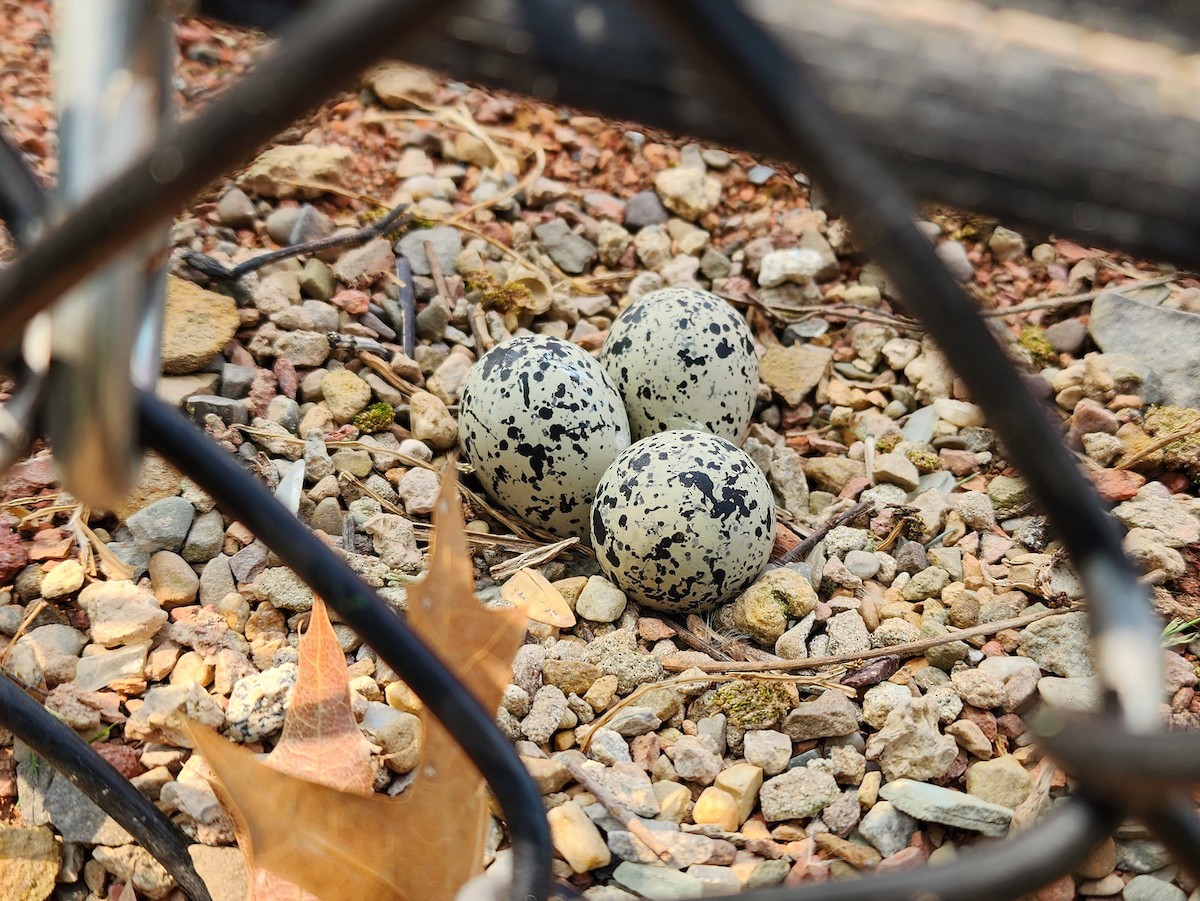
[
  {"x": 742, "y": 782},
  {"x": 571, "y": 588},
  {"x": 400, "y": 697},
  {"x": 602, "y": 692},
  {"x": 29, "y": 861},
  {"x": 577, "y": 839},
  {"x": 868, "y": 789},
  {"x": 716, "y": 807},
  {"x": 197, "y": 324},
  {"x": 674, "y": 801},
  {"x": 191, "y": 667}
]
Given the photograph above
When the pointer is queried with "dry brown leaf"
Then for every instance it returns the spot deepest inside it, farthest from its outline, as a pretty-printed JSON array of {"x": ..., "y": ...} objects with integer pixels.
[
  {"x": 533, "y": 594},
  {"x": 342, "y": 846}
]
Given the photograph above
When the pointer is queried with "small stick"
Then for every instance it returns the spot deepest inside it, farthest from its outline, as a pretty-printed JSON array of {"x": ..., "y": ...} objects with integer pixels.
[
  {"x": 205, "y": 264},
  {"x": 1158, "y": 445},
  {"x": 805, "y": 547},
  {"x": 693, "y": 635},
  {"x": 26, "y": 621},
  {"x": 483, "y": 338},
  {"x": 908, "y": 649},
  {"x": 435, "y": 269},
  {"x": 408, "y": 306},
  {"x": 384, "y": 371},
  {"x": 619, "y": 811},
  {"x": 1050, "y": 303},
  {"x": 734, "y": 649},
  {"x": 535, "y": 557},
  {"x": 355, "y": 343}
]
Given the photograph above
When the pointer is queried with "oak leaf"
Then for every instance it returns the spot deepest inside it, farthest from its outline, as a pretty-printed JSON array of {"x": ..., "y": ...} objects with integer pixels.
[{"x": 308, "y": 815}]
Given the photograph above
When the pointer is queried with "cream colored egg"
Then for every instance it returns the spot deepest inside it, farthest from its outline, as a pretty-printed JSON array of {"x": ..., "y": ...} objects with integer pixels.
[
  {"x": 540, "y": 421},
  {"x": 683, "y": 520}
]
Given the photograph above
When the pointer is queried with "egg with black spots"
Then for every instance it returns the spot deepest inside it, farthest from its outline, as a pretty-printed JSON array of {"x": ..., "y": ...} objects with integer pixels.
[
  {"x": 683, "y": 521},
  {"x": 540, "y": 421},
  {"x": 682, "y": 358}
]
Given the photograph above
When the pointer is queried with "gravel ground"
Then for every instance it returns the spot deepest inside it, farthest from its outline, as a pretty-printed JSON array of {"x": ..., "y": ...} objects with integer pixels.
[{"x": 896, "y": 754}]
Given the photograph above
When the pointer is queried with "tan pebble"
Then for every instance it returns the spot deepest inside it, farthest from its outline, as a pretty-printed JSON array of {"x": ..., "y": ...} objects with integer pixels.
[
  {"x": 663, "y": 770},
  {"x": 651, "y": 628},
  {"x": 65, "y": 578},
  {"x": 560, "y": 869},
  {"x": 970, "y": 738},
  {"x": 239, "y": 533},
  {"x": 602, "y": 692},
  {"x": 674, "y": 800},
  {"x": 191, "y": 667},
  {"x": 570, "y": 589},
  {"x": 896, "y": 609},
  {"x": 161, "y": 661},
  {"x": 742, "y": 782},
  {"x": 367, "y": 687},
  {"x": 744, "y": 868},
  {"x": 1101, "y": 860},
  {"x": 860, "y": 857},
  {"x": 756, "y": 827},
  {"x": 564, "y": 741},
  {"x": 868, "y": 790},
  {"x": 1027, "y": 755},
  {"x": 548, "y": 775},
  {"x": 717, "y": 807},
  {"x": 1112, "y": 884},
  {"x": 431, "y": 422},
  {"x": 400, "y": 697},
  {"x": 576, "y": 838}
]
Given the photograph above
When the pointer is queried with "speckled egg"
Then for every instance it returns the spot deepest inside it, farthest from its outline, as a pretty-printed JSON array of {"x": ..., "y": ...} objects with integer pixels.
[
  {"x": 683, "y": 358},
  {"x": 540, "y": 421},
  {"x": 682, "y": 521}
]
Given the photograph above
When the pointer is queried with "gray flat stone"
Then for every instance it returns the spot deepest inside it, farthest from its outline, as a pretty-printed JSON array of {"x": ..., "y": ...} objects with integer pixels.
[
  {"x": 162, "y": 525},
  {"x": 887, "y": 828},
  {"x": 1060, "y": 645},
  {"x": 1150, "y": 888},
  {"x": 657, "y": 883},
  {"x": 935, "y": 804},
  {"x": 1166, "y": 340},
  {"x": 47, "y": 797}
]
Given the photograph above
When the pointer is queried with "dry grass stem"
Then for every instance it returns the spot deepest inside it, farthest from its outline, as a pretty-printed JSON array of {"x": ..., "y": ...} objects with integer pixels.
[
  {"x": 535, "y": 557},
  {"x": 911, "y": 648}
]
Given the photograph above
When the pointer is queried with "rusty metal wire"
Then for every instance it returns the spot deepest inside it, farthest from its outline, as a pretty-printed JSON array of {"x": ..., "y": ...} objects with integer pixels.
[{"x": 1120, "y": 766}]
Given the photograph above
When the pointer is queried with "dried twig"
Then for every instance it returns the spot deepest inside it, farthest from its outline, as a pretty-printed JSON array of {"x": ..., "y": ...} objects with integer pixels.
[
  {"x": 1031, "y": 809},
  {"x": 1051, "y": 303},
  {"x": 435, "y": 271},
  {"x": 728, "y": 647},
  {"x": 408, "y": 306},
  {"x": 384, "y": 371},
  {"x": 370, "y": 492},
  {"x": 1185, "y": 432},
  {"x": 619, "y": 811},
  {"x": 483, "y": 338},
  {"x": 908, "y": 649},
  {"x": 205, "y": 264},
  {"x": 30, "y": 615},
  {"x": 805, "y": 547},
  {"x": 696, "y": 636},
  {"x": 535, "y": 557}
]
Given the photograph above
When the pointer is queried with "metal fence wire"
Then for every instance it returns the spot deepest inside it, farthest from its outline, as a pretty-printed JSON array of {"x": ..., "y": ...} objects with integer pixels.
[{"x": 1122, "y": 765}]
